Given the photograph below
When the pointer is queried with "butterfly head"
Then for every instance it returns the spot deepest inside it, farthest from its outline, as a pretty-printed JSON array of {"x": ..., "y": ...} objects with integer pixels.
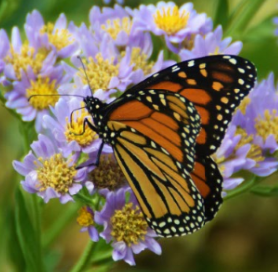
[
  {"x": 95, "y": 108},
  {"x": 93, "y": 104}
]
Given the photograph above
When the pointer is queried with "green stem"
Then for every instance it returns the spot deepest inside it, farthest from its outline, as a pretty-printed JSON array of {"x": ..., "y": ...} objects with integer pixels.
[
  {"x": 84, "y": 260},
  {"x": 245, "y": 187},
  {"x": 103, "y": 259},
  {"x": 84, "y": 199},
  {"x": 36, "y": 214}
]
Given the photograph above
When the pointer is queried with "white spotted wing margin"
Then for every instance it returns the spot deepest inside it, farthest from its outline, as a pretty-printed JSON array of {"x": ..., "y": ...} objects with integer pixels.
[
  {"x": 209, "y": 183},
  {"x": 169, "y": 199}
]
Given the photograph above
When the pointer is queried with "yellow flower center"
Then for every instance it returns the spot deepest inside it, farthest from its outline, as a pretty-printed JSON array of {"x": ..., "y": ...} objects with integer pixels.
[
  {"x": 42, "y": 86},
  {"x": 60, "y": 38},
  {"x": 267, "y": 124},
  {"x": 170, "y": 20},
  {"x": 85, "y": 218},
  {"x": 108, "y": 174},
  {"x": 99, "y": 72},
  {"x": 243, "y": 105},
  {"x": 56, "y": 173},
  {"x": 255, "y": 152},
  {"x": 140, "y": 60},
  {"x": 215, "y": 52},
  {"x": 114, "y": 27},
  {"x": 26, "y": 57},
  {"x": 74, "y": 131},
  {"x": 129, "y": 225},
  {"x": 188, "y": 43}
]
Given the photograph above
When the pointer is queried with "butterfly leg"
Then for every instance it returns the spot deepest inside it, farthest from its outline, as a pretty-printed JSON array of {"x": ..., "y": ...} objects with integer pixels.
[
  {"x": 91, "y": 126},
  {"x": 96, "y": 163}
]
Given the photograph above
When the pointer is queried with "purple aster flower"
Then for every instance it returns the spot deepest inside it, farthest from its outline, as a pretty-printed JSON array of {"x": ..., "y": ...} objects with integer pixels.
[
  {"x": 239, "y": 151},
  {"x": 232, "y": 156},
  {"x": 252, "y": 136},
  {"x": 105, "y": 67},
  {"x": 48, "y": 173},
  {"x": 258, "y": 115},
  {"x": 142, "y": 66},
  {"x": 125, "y": 226},
  {"x": 176, "y": 25},
  {"x": 66, "y": 131},
  {"x": 86, "y": 221},
  {"x": 116, "y": 22},
  {"x": 55, "y": 37},
  {"x": 18, "y": 58},
  {"x": 211, "y": 44},
  {"x": 29, "y": 85}
]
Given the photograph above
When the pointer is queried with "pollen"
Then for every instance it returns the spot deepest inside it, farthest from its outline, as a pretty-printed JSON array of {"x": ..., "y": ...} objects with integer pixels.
[
  {"x": 60, "y": 38},
  {"x": 55, "y": 173},
  {"x": 85, "y": 217},
  {"x": 267, "y": 124},
  {"x": 129, "y": 225},
  {"x": 114, "y": 27},
  {"x": 26, "y": 57},
  {"x": 255, "y": 152},
  {"x": 171, "y": 20},
  {"x": 99, "y": 72},
  {"x": 140, "y": 60},
  {"x": 75, "y": 127},
  {"x": 243, "y": 105},
  {"x": 42, "y": 86},
  {"x": 108, "y": 174}
]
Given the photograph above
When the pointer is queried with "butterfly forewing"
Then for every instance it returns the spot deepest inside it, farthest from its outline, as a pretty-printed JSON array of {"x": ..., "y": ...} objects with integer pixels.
[
  {"x": 215, "y": 85},
  {"x": 169, "y": 120}
]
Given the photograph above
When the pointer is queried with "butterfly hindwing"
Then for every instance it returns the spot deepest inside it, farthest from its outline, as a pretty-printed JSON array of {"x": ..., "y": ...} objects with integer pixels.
[{"x": 208, "y": 180}]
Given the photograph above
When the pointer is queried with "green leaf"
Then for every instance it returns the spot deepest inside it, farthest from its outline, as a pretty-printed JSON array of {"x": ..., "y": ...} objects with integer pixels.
[
  {"x": 242, "y": 16},
  {"x": 266, "y": 191},
  {"x": 258, "y": 33},
  {"x": 10, "y": 243},
  {"x": 221, "y": 15},
  {"x": 7, "y": 7},
  {"x": 27, "y": 235}
]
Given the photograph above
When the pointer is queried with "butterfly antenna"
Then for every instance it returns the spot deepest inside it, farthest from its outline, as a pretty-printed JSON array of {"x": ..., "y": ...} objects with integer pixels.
[
  {"x": 71, "y": 114},
  {"x": 84, "y": 69},
  {"x": 76, "y": 95}
]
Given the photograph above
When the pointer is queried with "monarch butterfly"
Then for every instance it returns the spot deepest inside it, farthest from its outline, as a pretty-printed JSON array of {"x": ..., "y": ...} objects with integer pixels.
[{"x": 164, "y": 130}]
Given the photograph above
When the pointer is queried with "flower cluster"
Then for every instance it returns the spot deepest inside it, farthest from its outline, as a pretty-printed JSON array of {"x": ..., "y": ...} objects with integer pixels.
[
  {"x": 251, "y": 139},
  {"x": 45, "y": 81}
]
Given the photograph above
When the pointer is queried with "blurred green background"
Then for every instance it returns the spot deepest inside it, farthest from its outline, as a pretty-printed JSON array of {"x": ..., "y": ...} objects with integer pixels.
[{"x": 244, "y": 235}]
